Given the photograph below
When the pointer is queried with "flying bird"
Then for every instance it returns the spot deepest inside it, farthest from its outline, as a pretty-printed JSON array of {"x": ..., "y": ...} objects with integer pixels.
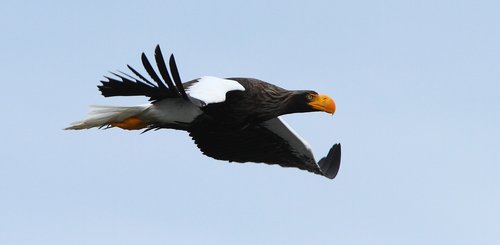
[{"x": 232, "y": 119}]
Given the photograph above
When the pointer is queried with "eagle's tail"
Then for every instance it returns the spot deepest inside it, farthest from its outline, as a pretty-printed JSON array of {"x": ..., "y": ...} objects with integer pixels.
[{"x": 126, "y": 117}]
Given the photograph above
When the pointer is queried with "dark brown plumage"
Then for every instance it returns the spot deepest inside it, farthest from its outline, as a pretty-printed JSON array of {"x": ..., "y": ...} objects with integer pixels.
[{"x": 233, "y": 119}]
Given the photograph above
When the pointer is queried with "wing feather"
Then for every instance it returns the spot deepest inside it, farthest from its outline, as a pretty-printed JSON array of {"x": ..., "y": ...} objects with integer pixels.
[
  {"x": 152, "y": 73},
  {"x": 177, "y": 77},
  {"x": 126, "y": 85},
  {"x": 271, "y": 142},
  {"x": 140, "y": 76},
  {"x": 160, "y": 62}
]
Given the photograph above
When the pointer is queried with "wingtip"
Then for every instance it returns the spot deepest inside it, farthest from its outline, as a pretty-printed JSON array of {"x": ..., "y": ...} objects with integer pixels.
[
  {"x": 330, "y": 164},
  {"x": 144, "y": 57},
  {"x": 158, "y": 50}
]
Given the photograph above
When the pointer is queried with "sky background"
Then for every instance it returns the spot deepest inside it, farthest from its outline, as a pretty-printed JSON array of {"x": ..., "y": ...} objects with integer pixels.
[{"x": 418, "y": 112}]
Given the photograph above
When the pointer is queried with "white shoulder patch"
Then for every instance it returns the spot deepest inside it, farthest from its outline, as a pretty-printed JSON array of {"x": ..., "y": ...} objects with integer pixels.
[{"x": 213, "y": 89}]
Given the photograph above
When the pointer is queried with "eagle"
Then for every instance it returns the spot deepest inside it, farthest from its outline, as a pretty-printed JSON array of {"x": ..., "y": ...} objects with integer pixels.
[{"x": 232, "y": 119}]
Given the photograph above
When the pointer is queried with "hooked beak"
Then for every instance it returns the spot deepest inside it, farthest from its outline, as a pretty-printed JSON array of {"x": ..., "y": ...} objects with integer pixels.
[{"x": 322, "y": 102}]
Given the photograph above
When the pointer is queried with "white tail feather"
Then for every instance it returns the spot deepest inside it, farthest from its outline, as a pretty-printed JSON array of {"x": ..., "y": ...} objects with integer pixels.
[{"x": 101, "y": 116}]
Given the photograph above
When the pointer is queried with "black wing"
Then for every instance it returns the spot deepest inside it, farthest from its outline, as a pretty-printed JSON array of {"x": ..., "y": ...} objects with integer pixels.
[
  {"x": 271, "y": 142},
  {"x": 126, "y": 85}
]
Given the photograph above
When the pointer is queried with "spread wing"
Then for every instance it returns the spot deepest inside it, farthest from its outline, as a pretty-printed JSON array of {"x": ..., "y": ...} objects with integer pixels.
[
  {"x": 126, "y": 85},
  {"x": 202, "y": 91},
  {"x": 270, "y": 142}
]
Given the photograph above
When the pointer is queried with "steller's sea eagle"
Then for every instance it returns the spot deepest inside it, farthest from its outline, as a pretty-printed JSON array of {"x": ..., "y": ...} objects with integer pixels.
[{"x": 233, "y": 119}]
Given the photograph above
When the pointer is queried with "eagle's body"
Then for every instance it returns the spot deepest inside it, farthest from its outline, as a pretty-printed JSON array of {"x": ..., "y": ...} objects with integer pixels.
[{"x": 234, "y": 119}]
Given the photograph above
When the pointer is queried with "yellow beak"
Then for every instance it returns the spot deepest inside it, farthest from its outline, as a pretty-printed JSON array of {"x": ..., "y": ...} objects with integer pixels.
[{"x": 323, "y": 102}]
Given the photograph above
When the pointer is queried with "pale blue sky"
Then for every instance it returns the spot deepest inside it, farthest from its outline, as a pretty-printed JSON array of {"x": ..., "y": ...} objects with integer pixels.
[{"x": 417, "y": 89}]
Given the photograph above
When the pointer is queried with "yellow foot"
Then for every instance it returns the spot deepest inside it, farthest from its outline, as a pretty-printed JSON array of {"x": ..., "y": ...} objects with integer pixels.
[{"x": 130, "y": 123}]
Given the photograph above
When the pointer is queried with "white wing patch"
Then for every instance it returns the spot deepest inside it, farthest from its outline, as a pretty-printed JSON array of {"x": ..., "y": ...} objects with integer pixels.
[
  {"x": 172, "y": 111},
  {"x": 299, "y": 145},
  {"x": 213, "y": 89}
]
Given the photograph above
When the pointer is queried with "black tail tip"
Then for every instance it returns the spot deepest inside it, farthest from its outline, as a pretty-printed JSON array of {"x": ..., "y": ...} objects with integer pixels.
[{"x": 330, "y": 164}]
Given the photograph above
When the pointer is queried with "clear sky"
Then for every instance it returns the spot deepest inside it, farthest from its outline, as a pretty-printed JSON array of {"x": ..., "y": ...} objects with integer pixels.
[{"x": 416, "y": 83}]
